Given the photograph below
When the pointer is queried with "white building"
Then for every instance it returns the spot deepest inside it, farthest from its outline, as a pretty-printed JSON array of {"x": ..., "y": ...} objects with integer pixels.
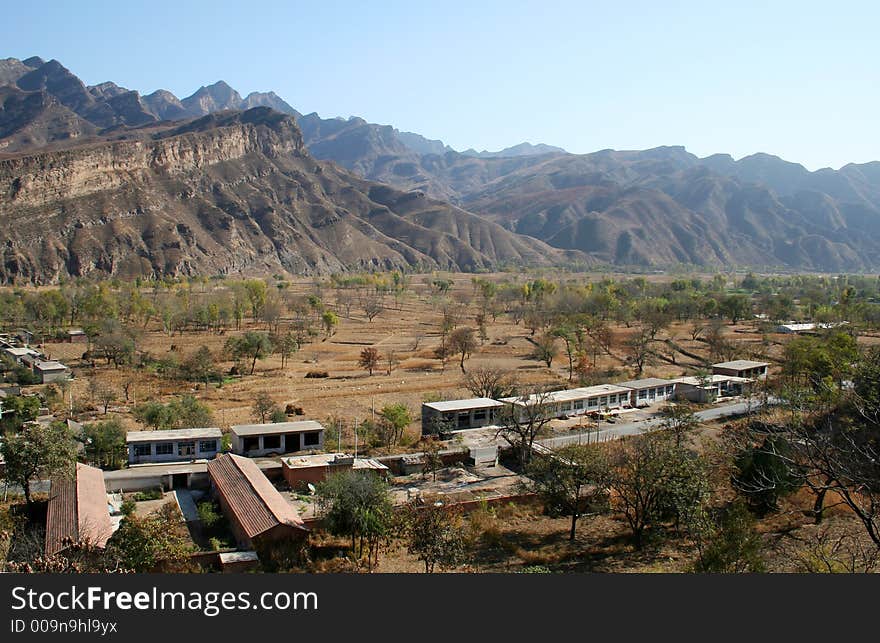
[
  {"x": 174, "y": 445},
  {"x": 277, "y": 438},
  {"x": 650, "y": 390},
  {"x": 578, "y": 401},
  {"x": 457, "y": 415}
]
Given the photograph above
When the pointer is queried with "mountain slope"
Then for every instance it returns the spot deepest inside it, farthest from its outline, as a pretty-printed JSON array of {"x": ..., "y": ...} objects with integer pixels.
[{"x": 230, "y": 192}]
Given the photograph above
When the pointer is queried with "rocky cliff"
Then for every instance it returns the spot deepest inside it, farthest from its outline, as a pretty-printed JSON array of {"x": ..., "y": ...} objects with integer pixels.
[{"x": 230, "y": 192}]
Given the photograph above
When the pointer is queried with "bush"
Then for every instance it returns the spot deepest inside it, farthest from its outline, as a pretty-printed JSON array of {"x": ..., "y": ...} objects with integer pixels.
[
  {"x": 128, "y": 507},
  {"x": 317, "y": 374},
  {"x": 152, "y": 494},
  {"x": 208, "y": 514}
]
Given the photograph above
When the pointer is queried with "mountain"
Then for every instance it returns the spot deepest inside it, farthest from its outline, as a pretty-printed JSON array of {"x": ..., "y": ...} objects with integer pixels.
[
  {"x": 213, "y": 98},
  {"x": 523, "y": 149},
  {"x": 268, "y": 99},
  {"x": 233, "y": 192}
]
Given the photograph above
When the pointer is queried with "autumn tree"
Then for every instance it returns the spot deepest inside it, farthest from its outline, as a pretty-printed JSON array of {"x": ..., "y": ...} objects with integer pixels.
[{"x": 434, "y": 534}]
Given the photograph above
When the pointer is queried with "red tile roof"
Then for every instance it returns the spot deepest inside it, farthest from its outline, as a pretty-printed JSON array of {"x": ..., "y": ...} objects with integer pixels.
[
  {"x": 255, "y": 504},
  {"x": 78, "y": 510}
]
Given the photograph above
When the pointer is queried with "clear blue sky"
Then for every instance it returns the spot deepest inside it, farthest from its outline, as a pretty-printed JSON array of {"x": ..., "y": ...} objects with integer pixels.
[{"x": 797, "y": 79}]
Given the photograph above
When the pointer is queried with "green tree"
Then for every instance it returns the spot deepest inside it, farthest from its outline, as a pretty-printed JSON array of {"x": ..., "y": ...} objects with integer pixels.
[
  {"x": 434, "y": 534},
  {"x": 357, "y": 504},
  {"x": 330, "y": 321},
  {"x": 570, "y": 480},
  {"x": 151, "y": 544},
  {"x": 252, "y": 346},
  {"x": 393, "y": 420},
  {"x": 105, "y": 443},
  {"x": 199, "y": 366},
  {"x": 765, "y": 473},
  {"x": 264, "y": 407},
  {"x": 464, "y": 342},
  {"x": 38, "y": 452},
  {"x": 731, "y": 545}
]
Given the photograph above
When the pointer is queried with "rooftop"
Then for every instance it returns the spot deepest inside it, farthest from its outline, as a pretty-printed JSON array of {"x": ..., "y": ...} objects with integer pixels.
[
  {"x": 647, "y": 382},
  {"x": 21, "y": 351},
  {"x": 327, "y": 459},
  {"x": 570, "y": 394},
  {"x": 78, "y": 510},
  {"x": 463, "y": 405},
  {"x": 712, "y": 379},
  {"x": 49, "y": 366},
  {"x": 169, "y": 435},
  {"x": 277, "y": 427},
  {"x": 256, "y": 505},
  {"x": 740, "y": 364}
]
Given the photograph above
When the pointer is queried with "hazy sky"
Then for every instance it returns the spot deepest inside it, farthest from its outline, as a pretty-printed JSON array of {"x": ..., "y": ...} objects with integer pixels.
[{"x": 797, "y": 79}]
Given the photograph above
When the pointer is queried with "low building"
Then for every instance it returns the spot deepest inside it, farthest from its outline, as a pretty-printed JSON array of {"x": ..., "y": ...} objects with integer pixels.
[
  {"x": 50, "y": 371},
  {"x": 650, "y": 390},
  {"x": 298, "y": 471},
  {"x": 77, "y": 336},
  {"x": 709, "y": 389},
  {"x": 78, "y": 510},
  {"x": 457, "y": 415},
  {"x": 578, "y": 401},
  {"x": 21, "y": 353},
  {"x": 256, "y": 511},
  {"x": 742, "y": 368},
  {"x": 173, "y": 445},
  {"x": 274, "y": 439}
]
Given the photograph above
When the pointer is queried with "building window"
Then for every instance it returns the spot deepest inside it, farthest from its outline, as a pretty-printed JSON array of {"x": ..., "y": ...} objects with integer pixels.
[
  {"x": 312, "y": 439},
  {"x": 165, "y": 448},
  {"x": 603, "y": 401},
  {"x": 669, "y": 390},
  {"x": 141, "y": 450},
  {"x": 592, "y": 402},
  {"x": 566, "y": 406},
  {"x": 643, "y": 395},
  {"x": 186, "y": 448},
  {"x": 208, "y": 446},
  {"x": 271, "y": 441},
  {"x": 251, "y": 444},
  {"x": 578, "y": 405},
  {"x": 480, "y": 414},
  {"x": 613, "y": 399}
]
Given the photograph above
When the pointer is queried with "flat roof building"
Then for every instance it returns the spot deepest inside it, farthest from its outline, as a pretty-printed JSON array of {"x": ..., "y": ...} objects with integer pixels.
[
  {"x": 78, "y": 510},
  {"x": 277, "y": 438},
  {"x": 50, "y": 371},
  {"x": 649, "y": 390},
  {"x": 173, "y": 445},
  {"x": 458, "y": 415},
  {"x": 578, "y": 401},
  {"x": 257, "y": 512},
  {"x": 300, "y": 470},
  {"x": 708, "y": 389},
  {"x": 742, "y": 368}
]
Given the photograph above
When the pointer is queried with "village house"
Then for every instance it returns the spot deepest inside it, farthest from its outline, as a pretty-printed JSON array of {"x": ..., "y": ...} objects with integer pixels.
[
  {"x": 742, "y": 368},
  {"x": 50, "y": 371},
  {"x": 173, "y": 445},
  {"x": 578, "y": 401},
  {"x": 458, "y": 415},
  {"x": 78, "y": 510},
  {"x": 77, "y": 336},
  {"x": 298, "y": 471},
  {"x": 256, "y": 511},
  {"x": 274, "y": 439},
  {"x": 650, "y": 390}
]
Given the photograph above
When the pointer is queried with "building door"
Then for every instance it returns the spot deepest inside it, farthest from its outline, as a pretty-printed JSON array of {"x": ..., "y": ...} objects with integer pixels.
[
  {"x": 179, "y": 480},
  {"x": 291, "y": 442}
]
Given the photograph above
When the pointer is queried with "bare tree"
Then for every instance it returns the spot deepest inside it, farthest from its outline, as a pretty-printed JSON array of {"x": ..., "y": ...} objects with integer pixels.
[
  {"x": 490, "y": 382},
  {"x": 464, "y": 342},
  {"x": 521, "y": 422},
  {"x": 369, "y": 359}
]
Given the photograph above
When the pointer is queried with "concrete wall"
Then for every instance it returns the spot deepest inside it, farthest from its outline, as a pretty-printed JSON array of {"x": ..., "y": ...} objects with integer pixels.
[
  {"x": 238, "y": 444},
  {"x": 173, "y": 456}
]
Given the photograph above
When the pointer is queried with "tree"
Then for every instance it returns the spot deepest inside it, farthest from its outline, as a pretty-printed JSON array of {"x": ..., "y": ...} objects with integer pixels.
[
  {"x": 490, "y": 382},
  {"x": 464, "y": 342},
  {"x": 183, "y": 412},
  {"x": 393, "y": 420},
  {"x": 356, "y": 504},
  {"x": 639, "y": 351},
  {"x": 263, "y": 407},
  {"x": 38, "y": 451},
  {"x": 287, "y": 346},
  {"x": 105, "y": 445},
  {"x": 372, "y": 305},
  {"x": 736, "y": 307},
  {"x": 434, "y": 534},
  {"x": 199, "y": 366},
  {"x": 330, "y": 320},
  {"x": 546, "y": 349},
  {"x": 679, "y": 421},
  {"x": 570, "y": 480},
  {"x": 18, "y": 410},
  {"x": 523, "y": 421},
  {"x": 568, "y": 337},
  {"x": 764, "y": 473},
  {"x": 252, "y": 345},
  {"x": 731, "y": 545},
  {"x": 369, "y": 359},
  {"x": 432, "y": 460},
  {"x": 653, "y": 479},
  {"x": 390, "y": 360},
  {"x": 151, "y": 544}
]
